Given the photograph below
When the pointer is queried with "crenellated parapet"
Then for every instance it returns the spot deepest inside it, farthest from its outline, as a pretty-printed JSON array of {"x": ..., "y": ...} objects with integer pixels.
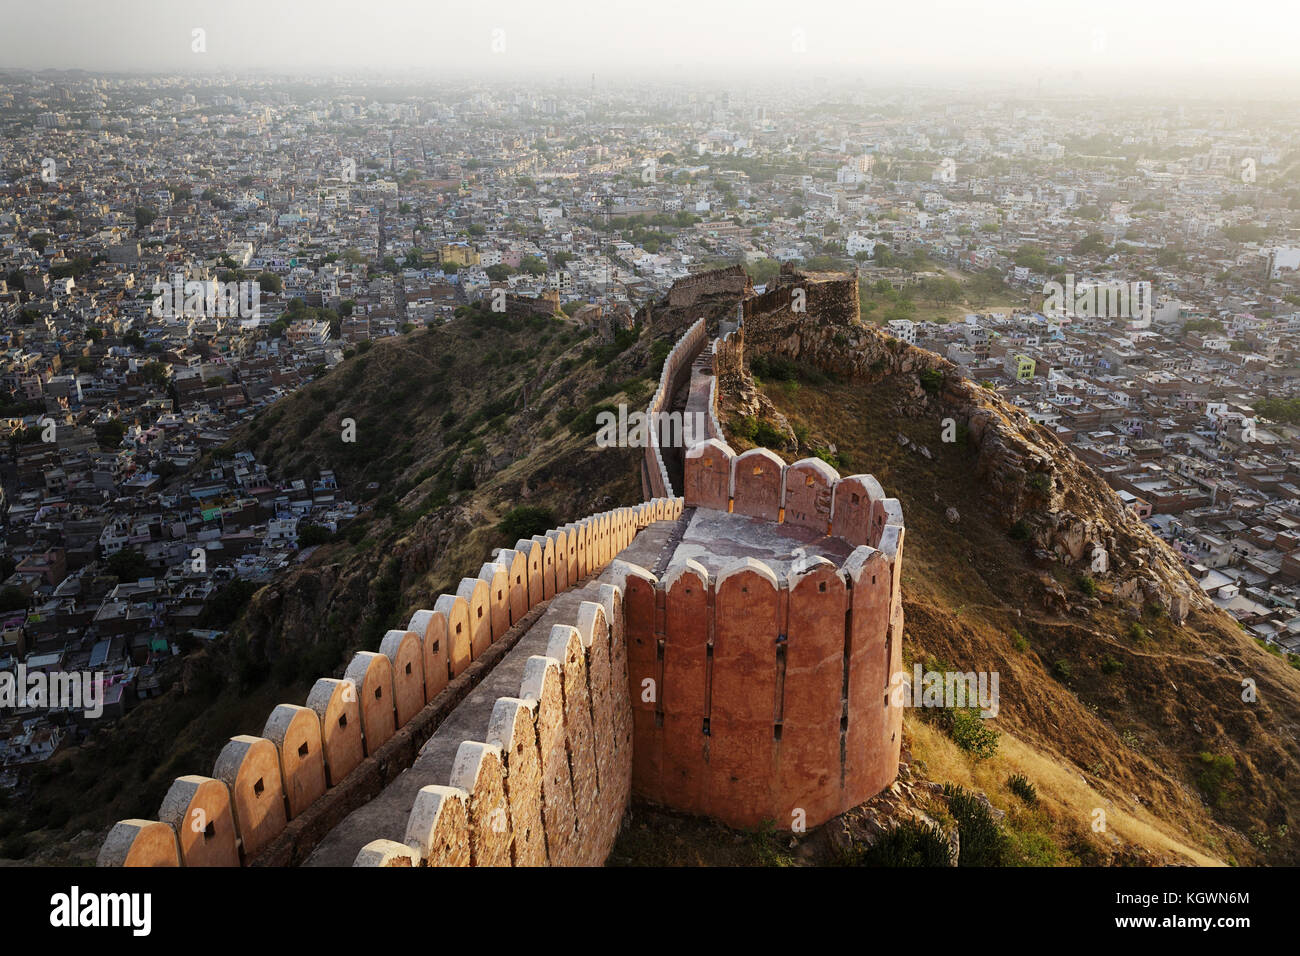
[
  {"x": 547, "y": 780},
  {"x": 677, "y": 366},
  {"x": 261, "y": 783},
  {"x": 808, "y": 493},
  {"x": 759, "y": 660},
  {"x": 763, "y": 695}
]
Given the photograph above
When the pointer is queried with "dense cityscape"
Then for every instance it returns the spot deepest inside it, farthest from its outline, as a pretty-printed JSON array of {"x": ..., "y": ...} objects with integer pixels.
[{"x": 179, "y": 254}]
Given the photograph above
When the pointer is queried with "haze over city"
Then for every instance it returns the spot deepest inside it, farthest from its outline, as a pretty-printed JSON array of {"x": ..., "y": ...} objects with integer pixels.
[
  {"x": 1120, "y": 46},
  {"x": 616, "y": 435}
]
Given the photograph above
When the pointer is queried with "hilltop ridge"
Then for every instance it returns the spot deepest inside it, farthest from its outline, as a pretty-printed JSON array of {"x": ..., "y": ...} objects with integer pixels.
[
  {"x": 1121, "y": 680},
  {"x": 459, "y": 425}
]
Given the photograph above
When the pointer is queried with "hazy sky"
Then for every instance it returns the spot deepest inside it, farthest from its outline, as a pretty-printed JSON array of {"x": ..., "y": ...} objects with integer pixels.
[{"x": 908, "y": 40}]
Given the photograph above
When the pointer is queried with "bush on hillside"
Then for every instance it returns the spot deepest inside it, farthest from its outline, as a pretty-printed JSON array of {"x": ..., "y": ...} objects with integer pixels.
[{"x": 525, "y": 521}]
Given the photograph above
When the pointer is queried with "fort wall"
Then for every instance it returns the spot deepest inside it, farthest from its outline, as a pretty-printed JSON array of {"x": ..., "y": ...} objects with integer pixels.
[
  {"x": 519, "y": 306},
  {"x": 764, "y": 696},
  {"x": 655, "y": 482},
  {"x": 730, "y": 282},
  {"x": 547, "y": 778},
  {"x": 510, "y": 723},
  {"x": 261, "y": 783},
  {"x": 831, "y": 296}
]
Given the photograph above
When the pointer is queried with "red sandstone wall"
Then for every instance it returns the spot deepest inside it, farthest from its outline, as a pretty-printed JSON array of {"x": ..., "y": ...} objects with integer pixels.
[
  {"x": 260, "y": 783},
  {"x": 749, "y": 719},
  {"x": 654, "y": 477},
  {"x": 809, "y": 493}
]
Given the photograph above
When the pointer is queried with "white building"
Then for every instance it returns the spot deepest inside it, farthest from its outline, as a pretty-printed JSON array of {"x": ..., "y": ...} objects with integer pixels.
[
  {"x": 860, "y": 242},
  {"x": 903, "y": 329}
]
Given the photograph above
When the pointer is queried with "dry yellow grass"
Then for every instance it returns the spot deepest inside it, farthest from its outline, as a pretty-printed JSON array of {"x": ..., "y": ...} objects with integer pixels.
[{"x": 1062, "y": 794}]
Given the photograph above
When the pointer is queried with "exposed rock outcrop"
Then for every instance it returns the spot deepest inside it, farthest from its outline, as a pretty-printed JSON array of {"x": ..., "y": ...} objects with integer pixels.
[{"x": 1041, "y": 488}]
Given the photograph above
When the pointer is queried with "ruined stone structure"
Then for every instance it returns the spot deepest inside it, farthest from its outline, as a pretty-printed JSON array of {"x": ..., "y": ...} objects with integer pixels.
[
  {"x": 731, "y": 283},
  {"x": 526, "y": 306},
  {"x": 726, "y": 653},
  {"x": 794, "y": 295}
]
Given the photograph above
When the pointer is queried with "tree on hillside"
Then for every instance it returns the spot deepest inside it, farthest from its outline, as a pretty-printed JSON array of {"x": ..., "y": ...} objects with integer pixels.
[{"x": 128, "y": 565}]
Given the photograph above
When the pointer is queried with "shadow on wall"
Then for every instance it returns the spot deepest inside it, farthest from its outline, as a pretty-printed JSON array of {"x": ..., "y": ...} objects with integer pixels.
[
  {"x": 655, "y": 480},
  {"x": 757, "y": 697},
  {"x": 260, "y": 783}
]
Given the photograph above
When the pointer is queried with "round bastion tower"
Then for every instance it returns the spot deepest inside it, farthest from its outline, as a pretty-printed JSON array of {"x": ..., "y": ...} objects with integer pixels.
[{"x": 759, "y": 656}]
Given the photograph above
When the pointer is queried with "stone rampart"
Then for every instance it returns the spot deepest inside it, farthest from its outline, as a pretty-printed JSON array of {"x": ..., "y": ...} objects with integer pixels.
[
  {"x": 261, "y": 783},
  {"x": 677, "y": 367}
]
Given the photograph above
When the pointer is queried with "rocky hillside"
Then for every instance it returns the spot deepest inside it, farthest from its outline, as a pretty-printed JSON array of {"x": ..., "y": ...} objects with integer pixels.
[
  {"x": 455, "y": 428},
  {"x": 1122, "y": 689}
]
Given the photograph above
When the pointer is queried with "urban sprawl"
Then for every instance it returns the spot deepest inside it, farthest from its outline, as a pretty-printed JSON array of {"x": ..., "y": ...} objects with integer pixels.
[{"x": 180, "y": 253}]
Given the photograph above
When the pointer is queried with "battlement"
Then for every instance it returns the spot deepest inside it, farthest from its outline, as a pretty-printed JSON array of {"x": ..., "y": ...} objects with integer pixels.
[
  {"x": 260, "y": 784},
  {"x": 655, "y": 482},
  {"x": 725, "y": 653},
  {"x": 831, "y": 296},
  {"x": 809, "y": 493},
  {"x": 759, "y": 658},
  {"x": 728, "y": 282},
  {"x": 546, "y": 303}
]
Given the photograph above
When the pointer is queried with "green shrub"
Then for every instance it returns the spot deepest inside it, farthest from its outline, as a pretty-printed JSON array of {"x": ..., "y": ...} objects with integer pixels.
[
  {"x": 774, "y": 368},
  {"x": 1019, "y": 642},
  {"x": 769, "y": 436},
  {"x": 525, "y": 521},
  {"x": 931, "y": 380},
  {"x": 911, "y": 843},
  {"x": 1040, "y": 483},
  {"x": 1110, "y": 665},
  {"x": 746, "y": 426},
  {"x": 972, "y": 733},
  {"x": 465, "y": 482},
  {"x": 1137, "y": 632},
  {"x": 1062, "y": 670},
  {"x": 1215, "y": 775},
  {"x": 982, "y": 841},
  {"x": 588, "y": 422},
  {"x": 311, "y": 535},
  {"x": 1087, "y": 585},
  {"x": 1023, "y": 788},
  {"x": 828, "y": 456}
]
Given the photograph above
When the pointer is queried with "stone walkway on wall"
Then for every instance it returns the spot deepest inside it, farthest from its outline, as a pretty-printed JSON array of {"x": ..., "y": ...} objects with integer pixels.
[
  {"x": 687, "y": 400},
  {"x": 385, "y": 816},
  {"x": 701, "y": 384}
]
